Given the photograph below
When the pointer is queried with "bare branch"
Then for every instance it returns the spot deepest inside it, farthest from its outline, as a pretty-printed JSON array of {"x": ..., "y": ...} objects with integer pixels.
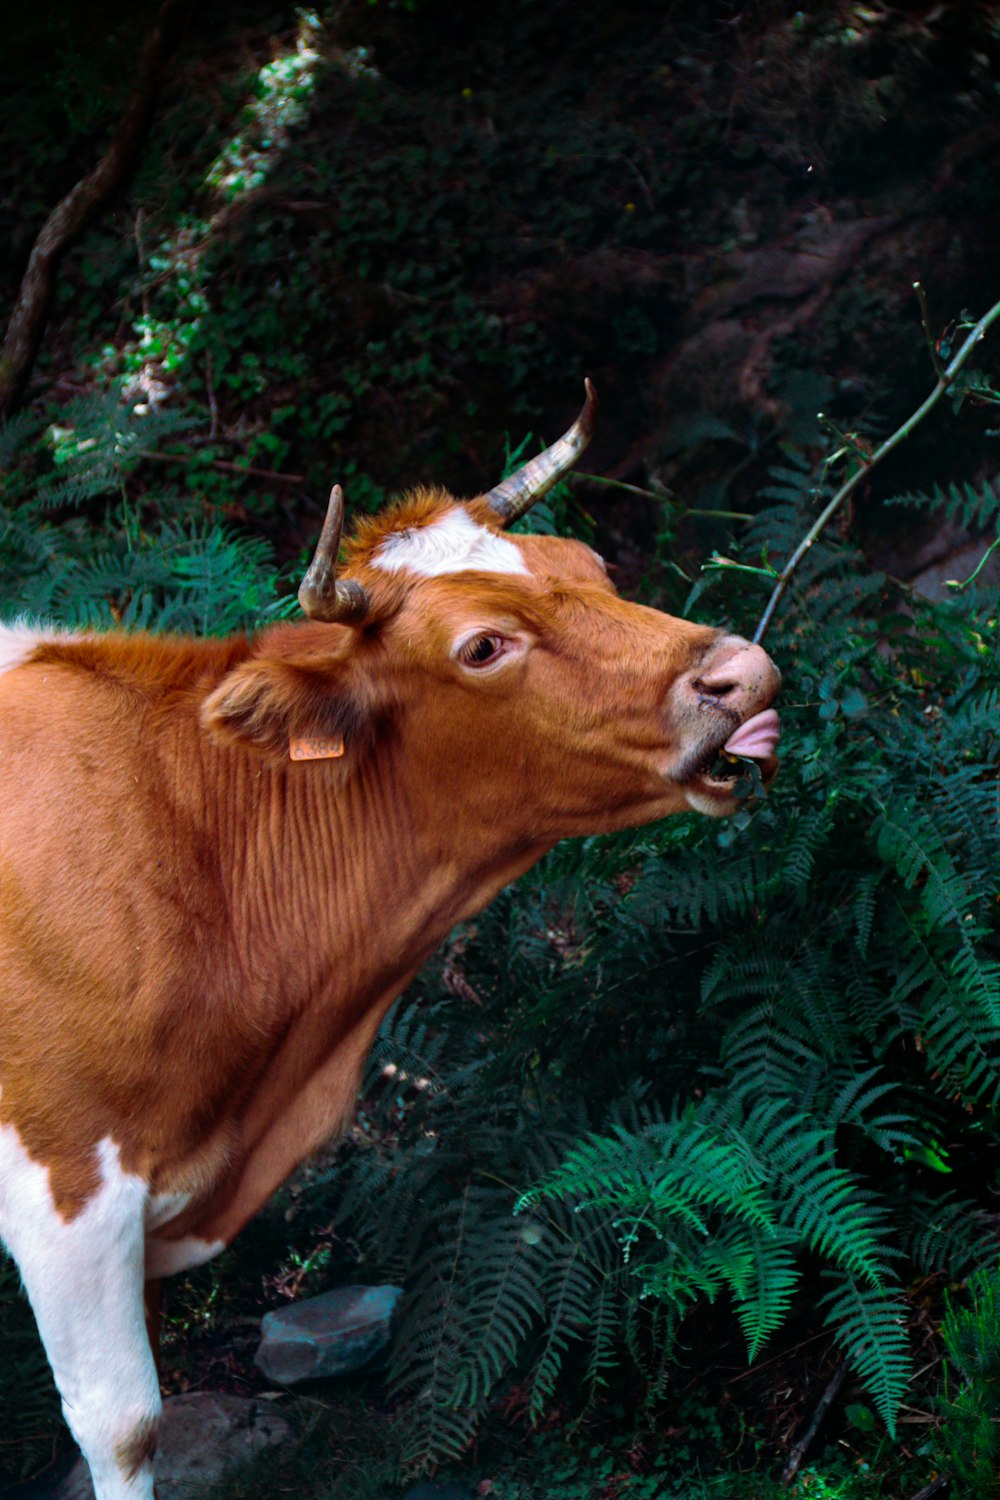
[
  {"x": 798, "y": 1453},
  {"x": 947, "y": 376},
  {"x": 75, "y": 210}
]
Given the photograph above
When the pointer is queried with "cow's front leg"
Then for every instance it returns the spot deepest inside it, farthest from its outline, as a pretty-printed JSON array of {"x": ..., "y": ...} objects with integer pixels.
[{"x": 84, "y": 1277}]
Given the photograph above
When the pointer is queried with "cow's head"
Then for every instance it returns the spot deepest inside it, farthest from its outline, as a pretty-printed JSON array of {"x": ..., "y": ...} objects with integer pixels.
[{"x": 502, "y": 673}]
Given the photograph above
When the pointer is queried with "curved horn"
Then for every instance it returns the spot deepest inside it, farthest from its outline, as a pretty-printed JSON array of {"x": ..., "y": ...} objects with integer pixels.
[
  {"x": 321, "y": 596},
  {"x": 519, "y": 491}
]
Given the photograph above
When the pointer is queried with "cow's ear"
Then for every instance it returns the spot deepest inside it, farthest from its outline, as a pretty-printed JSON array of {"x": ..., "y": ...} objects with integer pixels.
[{"x": 271, "y": 703}]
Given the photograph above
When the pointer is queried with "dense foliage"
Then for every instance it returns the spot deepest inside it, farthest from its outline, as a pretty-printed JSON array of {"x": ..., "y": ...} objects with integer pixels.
[
  {"x": 365, "y": 241},
  {"x": 761, "y": 1060},
  {"x": 687, "y": 1098}
]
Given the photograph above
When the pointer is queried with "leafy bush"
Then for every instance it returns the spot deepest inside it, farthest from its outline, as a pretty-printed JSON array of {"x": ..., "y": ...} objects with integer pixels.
[
  {"x": 969, "y": 1436},
  {"x": 697, "y": 1062},
  {"x": 758, "y": 1059},
  {"x": 76, "y": 549}
]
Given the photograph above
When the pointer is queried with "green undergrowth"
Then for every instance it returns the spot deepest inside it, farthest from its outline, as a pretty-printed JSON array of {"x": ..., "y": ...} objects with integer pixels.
[
  {"x": 693, "y": 1085},
  {"x": 346, "y": 1449},
  {"x": 687, "y": 1096},
  {"x": 753, "y": 1064},
  {"x": 969, "y": 1403},
  {"x": 706, "y": 1083}
]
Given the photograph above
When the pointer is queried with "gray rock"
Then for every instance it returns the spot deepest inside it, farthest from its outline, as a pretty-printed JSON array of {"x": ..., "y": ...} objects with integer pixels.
[
  {"x": 332, "y": 1334},
  {"x": 202, "y": 1436}
]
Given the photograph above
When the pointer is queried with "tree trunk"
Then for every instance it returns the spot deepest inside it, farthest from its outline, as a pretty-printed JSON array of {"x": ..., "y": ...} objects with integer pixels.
[{"x": 74, "y": 212}]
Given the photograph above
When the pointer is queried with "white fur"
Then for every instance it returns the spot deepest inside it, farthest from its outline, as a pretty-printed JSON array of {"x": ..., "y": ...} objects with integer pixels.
[
  {"x": 454, "y": 544},
  {"x": 707, "y": 805},
  {"x": 84, "y": 1278},
  {"x": 162, "y": 1207},
  {"x": 19, "y": 640},
  {"x": 169, "y": 1257}
]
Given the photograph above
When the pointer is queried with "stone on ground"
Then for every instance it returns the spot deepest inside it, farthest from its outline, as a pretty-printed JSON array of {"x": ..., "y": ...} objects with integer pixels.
[
  {"x": 203, "y": 1435},
  {"x": 332, "y": 1334}
]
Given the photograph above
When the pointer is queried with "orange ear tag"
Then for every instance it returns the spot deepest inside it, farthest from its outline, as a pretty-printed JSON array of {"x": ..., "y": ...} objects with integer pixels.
[{"x": 313, "y": 748}]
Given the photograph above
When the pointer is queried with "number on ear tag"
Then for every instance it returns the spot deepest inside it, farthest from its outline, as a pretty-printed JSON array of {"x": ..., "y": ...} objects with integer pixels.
[{"x": 311, "y": 747}]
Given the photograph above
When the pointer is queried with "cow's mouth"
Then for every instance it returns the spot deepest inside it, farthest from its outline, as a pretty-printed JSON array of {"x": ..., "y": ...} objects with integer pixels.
[{"x": 723, "y": 765}]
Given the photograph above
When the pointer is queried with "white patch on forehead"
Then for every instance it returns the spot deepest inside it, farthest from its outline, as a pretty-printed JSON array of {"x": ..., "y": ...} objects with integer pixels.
[
  {"x": 455, "y": 544},
  {"x": 18, "y": 641}
]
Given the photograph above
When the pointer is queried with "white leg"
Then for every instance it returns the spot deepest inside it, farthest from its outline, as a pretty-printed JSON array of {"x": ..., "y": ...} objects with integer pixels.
[{"x": 84, "y": 1278}]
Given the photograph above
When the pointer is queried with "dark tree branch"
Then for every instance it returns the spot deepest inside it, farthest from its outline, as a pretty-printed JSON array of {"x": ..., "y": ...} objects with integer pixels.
[
  {"x": 73, "y": 213},
  {"x": 934, "y": 1488},
  {"x": 798, "y": 1453},
  {"x": 944, "y": 381}
]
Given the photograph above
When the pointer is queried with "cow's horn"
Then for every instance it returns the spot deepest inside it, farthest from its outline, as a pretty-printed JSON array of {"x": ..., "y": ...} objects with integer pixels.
[
  {"x": 519, "y": 491},
  {"x": 322, "y": 595}
]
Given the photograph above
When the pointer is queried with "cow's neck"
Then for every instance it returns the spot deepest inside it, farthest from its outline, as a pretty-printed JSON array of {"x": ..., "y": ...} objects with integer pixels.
[
  {"x": 334, "y": 900},
  {"x": 345, "y": 885}
]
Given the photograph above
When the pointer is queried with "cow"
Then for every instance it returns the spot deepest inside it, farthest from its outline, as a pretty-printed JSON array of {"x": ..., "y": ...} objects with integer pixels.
[{"x": 221, "y": 860}]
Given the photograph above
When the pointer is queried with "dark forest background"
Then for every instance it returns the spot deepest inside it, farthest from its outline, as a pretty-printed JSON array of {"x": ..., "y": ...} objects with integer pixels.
[{"x": 695, "y": 1124}]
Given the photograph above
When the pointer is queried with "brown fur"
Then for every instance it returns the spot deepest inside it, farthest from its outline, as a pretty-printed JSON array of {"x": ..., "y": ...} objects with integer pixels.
[
  {"x": 138, "y": 1449},
  {"x": 198, "y": 937}
]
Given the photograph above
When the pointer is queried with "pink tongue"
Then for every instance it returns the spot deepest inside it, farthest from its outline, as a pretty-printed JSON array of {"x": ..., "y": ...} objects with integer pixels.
[{"x": 757, "y": 738}]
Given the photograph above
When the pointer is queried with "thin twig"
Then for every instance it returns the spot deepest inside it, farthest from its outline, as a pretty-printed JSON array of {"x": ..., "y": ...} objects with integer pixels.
[
  {"x": 925, "y": 318},
  {"x": 635, "y": 489},
  {"x": 213, "y": 405},
  {"x": 934, "y": 1488},
  {"x": 953, "y": 583},
  {"x": 222, "y": 463},
  {"x": 976, "y": 336},
  {"x": 798, "y": 1453}
]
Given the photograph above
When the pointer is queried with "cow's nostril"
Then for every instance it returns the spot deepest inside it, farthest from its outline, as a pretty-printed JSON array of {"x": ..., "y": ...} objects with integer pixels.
[
  {"x": 735, "y": 675},
  {"x": 715, "y": 687}
]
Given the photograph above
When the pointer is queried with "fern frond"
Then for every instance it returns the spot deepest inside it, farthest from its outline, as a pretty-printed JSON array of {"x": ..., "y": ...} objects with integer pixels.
[
  {"x": 871, "y": 1329},
  {"x": 571, "y": 1290},
  {"x": 819, "y": 1200},
  {"x": 907, "y": 840},
  {"x": 942, "y": 1233},
  {"x": 761, "y": 1272},
  {"x": 974, "y": 507},
  {"x": 676, "y": 1169},
  {"x": 503, "y": 1301}
]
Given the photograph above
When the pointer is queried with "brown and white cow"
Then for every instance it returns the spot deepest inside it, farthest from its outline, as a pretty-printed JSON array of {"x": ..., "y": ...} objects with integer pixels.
[{"x": 221, "y": 861}]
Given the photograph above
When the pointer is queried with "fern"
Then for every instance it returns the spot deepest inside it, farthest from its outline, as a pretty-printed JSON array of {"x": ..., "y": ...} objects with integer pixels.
[
  {"x": 164, "y": 567},
  {"x": 762, "y": 1272},
  {"x": 504, "y": 1301},
  {"x": 99, "y": 440},
  {"x": 974, "y": 507},
  {"x": 789, "y": 1015},
  {"x": 941, "y": 1234},
  {"x": 569, "y": 1289},
  {"x": 704, "y": 1063},
  {"x": 871, "y": 1328}
]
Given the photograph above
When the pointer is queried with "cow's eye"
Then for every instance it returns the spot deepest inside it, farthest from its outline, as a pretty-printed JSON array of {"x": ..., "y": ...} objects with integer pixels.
[{"x": 481, "y": 650}]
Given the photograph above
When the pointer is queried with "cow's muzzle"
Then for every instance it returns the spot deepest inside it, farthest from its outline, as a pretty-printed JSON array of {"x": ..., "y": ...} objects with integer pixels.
[{"x": 723, "y": 704}]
